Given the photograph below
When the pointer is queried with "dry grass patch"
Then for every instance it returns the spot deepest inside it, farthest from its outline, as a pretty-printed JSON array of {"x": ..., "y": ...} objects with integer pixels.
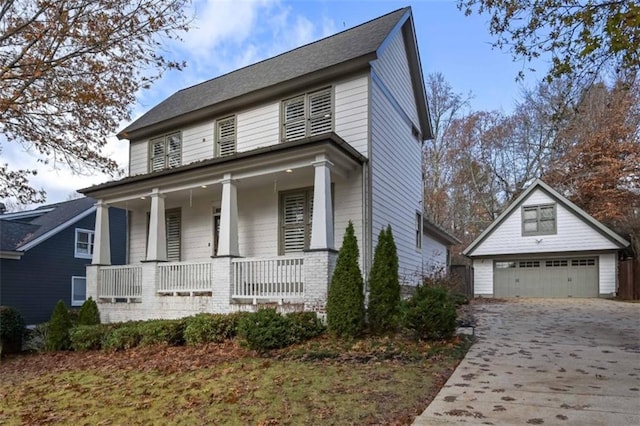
[{"x": 335, "y": 383}]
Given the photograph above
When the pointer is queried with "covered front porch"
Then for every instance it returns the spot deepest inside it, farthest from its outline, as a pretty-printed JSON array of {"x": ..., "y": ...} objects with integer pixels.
[{"x": 227, "y": 236}]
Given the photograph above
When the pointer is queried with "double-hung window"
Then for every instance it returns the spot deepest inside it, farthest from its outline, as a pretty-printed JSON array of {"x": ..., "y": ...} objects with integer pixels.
[
  {"x": 539, "y": 219},
  {"x": 165, "y": 152},
  {"x": 226, "y": 136},
  {"x": 84, "y": 244},
  {"x": 418, "y": 230},
  {"x": 307, "y": 115}
]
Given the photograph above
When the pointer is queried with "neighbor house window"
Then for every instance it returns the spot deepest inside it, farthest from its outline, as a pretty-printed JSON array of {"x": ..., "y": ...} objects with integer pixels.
[
  {"x": 78, "y": 290},
  {"x": 307, "y": 115},
  {"x": 165, "y": 152},
  {"x": 418, "y": 230},
  {"x": 84, "y": 244},
  {"x": 226, "y": 136},
  {"x": 539, "y": 220}
]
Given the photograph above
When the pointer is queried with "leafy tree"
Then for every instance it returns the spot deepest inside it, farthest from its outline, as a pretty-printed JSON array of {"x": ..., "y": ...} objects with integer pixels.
[
  {"x": 89, "y": 313},
  {"x": 59, "y": 326},
  {"x": 384, "y": 285},
  {"x": 345, "y": 304},
  {"x": 69, "y": 71},
  {"x": 582, "y": 38}
]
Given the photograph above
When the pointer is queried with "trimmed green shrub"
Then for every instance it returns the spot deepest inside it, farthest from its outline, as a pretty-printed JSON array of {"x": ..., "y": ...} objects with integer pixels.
[
  {"x": 89, "y": 313},
  {"x": 429, "y": 314},
  {"x": 304, "y": 326},
  {"x": 12, "y": 330},
  {"x": 59, "y": 326},
  {"x": 169, "y": 332},
  {"x": 345, "y": 304},
  {"x": 124, "y": 336},
  {"x": 216, "y": 328},
  {"x": 265, "y": 330},
  {"x": 89, "y": 337},
  {"x": 384, "y": 286}
]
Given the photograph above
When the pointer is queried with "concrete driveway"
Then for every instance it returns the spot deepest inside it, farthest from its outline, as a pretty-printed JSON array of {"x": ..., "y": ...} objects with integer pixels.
[{"x": 547, "y": 361}]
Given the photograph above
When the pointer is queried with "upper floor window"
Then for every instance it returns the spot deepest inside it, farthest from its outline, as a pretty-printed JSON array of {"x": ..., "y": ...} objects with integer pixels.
[
  {"x": 307, "y": 115},
  {"x": 539, "y": 220},
  {"x": 165, "y": 152},
  {"x": 84, "y": 244},
  {"x": 226, "y": 136}
]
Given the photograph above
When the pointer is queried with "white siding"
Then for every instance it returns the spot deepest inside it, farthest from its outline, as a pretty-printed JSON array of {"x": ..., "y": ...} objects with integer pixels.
[
  {"x": 137, "y": 236},
  {"x": 258, "y": 127},
  {"x": 396, "y": 177},
  {"x": 608, "y": 273},
  {"x": 483, "y": 277},
  {"x": 573, "y": 234},
  {"x": 393, "y": 69},
  {"x": 434, "y": 255},
  {"x": 348, "y": 207},
  {"x": 258, "y": 222},
  {"x": 352, "y": 110},
  {"x": 138, "y": 157},
  {"x": 197, "y": 142}
]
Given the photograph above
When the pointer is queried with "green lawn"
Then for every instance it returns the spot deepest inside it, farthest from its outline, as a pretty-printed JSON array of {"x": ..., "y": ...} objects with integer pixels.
[{"x": 373, "y": 381}]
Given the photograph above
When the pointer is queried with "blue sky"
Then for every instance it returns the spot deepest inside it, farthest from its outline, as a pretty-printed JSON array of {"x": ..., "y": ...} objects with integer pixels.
[{"x": 227, "y": 35}]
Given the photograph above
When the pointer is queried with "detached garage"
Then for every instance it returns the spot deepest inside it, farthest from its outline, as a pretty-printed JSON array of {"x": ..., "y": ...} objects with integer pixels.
[{"x": 543, "y": 245}]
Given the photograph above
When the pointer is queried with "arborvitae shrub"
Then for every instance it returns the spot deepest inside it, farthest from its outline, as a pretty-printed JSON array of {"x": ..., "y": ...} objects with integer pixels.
[
  {"x": 345, "y": 304},
  {"x": 304, "y": 326},
  {"x": 89, "y": 314},
  {"x": 384, "y": 285},
  {"x": 59, "y": 326},
  {"x": 264, "y": 330},
  {"x": 12, "y": 330},
  {"x": 429, "y": 314}
]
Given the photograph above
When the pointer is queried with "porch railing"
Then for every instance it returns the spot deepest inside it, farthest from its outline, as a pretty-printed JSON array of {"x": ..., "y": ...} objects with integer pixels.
[
  {"x": 184, "y": 278},
  {"x": 120, "y": 283},
  {"x": 277, "y": 278}
]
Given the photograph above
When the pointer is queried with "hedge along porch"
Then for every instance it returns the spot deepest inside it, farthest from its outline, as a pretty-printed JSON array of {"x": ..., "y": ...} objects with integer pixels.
[{"x": 218, "y": 241}]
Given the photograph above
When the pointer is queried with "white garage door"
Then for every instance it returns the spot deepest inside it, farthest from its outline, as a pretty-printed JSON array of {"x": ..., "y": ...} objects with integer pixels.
[{"x": 556, "y": 277}]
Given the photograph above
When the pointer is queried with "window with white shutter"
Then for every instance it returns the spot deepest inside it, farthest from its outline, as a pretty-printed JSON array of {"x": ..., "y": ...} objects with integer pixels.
[
  {"x": 296, "y": 217},
  {"x": 307, "y": 115},
  {"x": 173, "y": 220},
  {"x": 165, "y": 152},
  {"x": 226, "y": 136}
]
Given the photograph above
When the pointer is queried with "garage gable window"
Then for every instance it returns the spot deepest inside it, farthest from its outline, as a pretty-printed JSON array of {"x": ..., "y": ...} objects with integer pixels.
[{"x": 539, "y": 220}]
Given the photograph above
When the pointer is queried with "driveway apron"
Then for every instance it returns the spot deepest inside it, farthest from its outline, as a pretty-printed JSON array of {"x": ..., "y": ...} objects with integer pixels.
[{"x": 546, "y": 361}]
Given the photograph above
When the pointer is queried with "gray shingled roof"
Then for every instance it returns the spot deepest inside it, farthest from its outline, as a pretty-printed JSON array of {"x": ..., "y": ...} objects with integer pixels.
[
  {"x": 342, "y": 47},
  {"x": 16, "y": 233}
]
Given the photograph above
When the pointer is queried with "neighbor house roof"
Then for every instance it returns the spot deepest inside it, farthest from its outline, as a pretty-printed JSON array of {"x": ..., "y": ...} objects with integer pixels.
[
  {"x": 439, "y": 233},
  {"x": 539, "y": 184},
  {"x": 358, "y": 44},
  {"x": 21, "y": 231}
]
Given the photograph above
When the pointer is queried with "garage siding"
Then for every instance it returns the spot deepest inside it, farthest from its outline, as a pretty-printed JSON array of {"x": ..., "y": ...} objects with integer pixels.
[
  {"x": 483, "y": 277},
  {"x": 608, "y": 273}
]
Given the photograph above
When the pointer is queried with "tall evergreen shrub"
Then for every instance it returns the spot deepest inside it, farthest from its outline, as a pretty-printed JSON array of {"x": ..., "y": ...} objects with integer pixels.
[
  {"x": 384, "y": 285},
  {"x": 345, "y": 304},
  {"x": 59, "y": 326},
  {"x": 89, "y": 314}
]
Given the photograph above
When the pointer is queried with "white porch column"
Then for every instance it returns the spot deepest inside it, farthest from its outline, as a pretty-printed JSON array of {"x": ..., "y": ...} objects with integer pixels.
[
  {"x": 228, "y": 242},
  {"x": 322, "y": 222},
  {"x": 101, "y": 243},
  {"x": 157, "y": 243}
]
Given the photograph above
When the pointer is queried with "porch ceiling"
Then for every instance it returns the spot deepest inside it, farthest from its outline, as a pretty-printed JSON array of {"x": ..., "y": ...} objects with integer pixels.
[{"x": 246, "y": 168}]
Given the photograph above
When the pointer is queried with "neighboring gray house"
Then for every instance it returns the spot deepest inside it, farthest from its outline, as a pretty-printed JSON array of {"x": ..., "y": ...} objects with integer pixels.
[
  {"x": 543, "y": 245},
  {"x": 240, "y": 188},
  {"x": 44, "y": 253}
]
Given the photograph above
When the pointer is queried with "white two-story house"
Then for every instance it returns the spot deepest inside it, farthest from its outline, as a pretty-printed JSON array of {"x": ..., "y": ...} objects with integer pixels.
[{"x": 240, "y": 188}]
